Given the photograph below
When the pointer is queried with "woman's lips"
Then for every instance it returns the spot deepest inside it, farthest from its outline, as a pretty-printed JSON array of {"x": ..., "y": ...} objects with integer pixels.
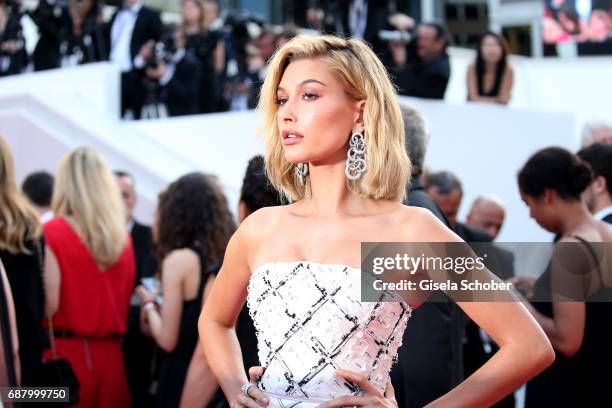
[{"x": 291, "y": 137}]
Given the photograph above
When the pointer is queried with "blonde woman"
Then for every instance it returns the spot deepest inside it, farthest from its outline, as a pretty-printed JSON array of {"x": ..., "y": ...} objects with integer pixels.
[
  {"x": 20, "y": 252},
  {"x": 325, "y": 98},
  {"x": 89, "y": 276}
]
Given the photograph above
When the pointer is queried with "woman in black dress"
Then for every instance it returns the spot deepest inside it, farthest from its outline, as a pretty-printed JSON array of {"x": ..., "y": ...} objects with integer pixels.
[
  {"x": 571, "y": 299},
  {"x": 191, "y": 232},
  {"x": 20, "y": 252},
  {"x": 490, "y": 77},
  {"x": 207, "y": 45}
]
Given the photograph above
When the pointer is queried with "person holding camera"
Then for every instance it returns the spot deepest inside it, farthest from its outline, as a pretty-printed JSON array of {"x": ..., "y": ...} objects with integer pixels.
[
  {"x": 176, "y": 76},
  {"x": 13, "y": 56},
  {"x": 421, "y": 67},
  {"x": 130, "y": 39}
]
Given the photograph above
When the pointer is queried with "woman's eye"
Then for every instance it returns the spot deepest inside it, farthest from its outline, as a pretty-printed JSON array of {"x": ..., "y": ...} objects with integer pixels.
[
  {"x": 310, "y": 96},
  {"x": 281, "y": 101}
]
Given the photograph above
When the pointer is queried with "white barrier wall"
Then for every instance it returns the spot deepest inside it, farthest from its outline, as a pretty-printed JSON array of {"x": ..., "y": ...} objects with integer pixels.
[{"x": 485, "y": 146}]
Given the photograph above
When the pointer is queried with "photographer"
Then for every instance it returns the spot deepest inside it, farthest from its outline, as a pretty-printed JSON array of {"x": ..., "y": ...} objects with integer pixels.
[
  {"x": 87, "y": 30},
  {"x": 13, "y": 56},
  {"x": 130, "y": 38},
  {"x": 177, "y": 76},
  {"x": 54, "y": 25},
  {"x": 421, "y": 67}
]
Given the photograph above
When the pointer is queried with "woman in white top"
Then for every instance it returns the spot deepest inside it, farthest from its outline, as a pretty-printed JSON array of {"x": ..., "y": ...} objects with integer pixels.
[{"x": 335, "y": 147}]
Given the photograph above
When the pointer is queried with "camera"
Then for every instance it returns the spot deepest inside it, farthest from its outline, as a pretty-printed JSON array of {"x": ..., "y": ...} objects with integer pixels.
[
  {"x": 402, "y": 37},
  {"x": 163, "y": 51}
]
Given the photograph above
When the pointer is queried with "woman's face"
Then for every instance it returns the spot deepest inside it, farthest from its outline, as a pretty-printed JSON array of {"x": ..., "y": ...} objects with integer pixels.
[
  {"x": 491, "y": 50},
  {"x": 315, "y": 115},
  {"x": 599, "y": 25},
  {"x": 191, "y": 11},
  {"x": 539, "y": 210},
  {"x": 211, "y": 12}
]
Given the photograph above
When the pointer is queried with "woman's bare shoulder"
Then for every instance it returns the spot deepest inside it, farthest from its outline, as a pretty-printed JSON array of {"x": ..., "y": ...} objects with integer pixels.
[
  {"x": 420, "y": 225},
  {"x": 180, "y": 258},
  {"x": 261, "y": 222}
]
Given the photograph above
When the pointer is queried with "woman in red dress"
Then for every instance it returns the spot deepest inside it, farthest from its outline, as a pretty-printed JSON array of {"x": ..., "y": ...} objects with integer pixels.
[{"x": 89, "y": 275}]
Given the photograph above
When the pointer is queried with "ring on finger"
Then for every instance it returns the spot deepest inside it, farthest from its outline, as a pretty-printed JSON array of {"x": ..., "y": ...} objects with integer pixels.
[{"x": 246, "y": 387}]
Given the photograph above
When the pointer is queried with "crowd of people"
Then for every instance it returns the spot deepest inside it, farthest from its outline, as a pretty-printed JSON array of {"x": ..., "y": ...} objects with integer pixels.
[
  {"x": 120, "y": 301},
  {"x": 206, "y": 64}
]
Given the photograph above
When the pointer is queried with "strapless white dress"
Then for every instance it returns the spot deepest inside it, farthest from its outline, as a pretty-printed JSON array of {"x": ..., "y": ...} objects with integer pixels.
[{"x": 310, "y": 321}]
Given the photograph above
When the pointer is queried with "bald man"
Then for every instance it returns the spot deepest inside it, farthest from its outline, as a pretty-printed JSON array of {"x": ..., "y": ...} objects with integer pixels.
[{"x": 487, "y": 214}]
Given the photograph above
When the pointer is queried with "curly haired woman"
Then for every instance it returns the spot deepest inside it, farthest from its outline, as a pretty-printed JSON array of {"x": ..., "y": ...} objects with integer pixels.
[{"x": 192, "y": 228}]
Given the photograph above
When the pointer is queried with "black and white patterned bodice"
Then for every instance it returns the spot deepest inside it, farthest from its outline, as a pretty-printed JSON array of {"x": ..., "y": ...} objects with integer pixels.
[{"x": 310, "y": 321}]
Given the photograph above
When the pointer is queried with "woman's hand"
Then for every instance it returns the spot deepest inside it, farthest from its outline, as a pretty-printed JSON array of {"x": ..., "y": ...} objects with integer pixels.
[
  {"x": 257, "y": 398},
  {"x": 371, "y": 396},
  {"x": 145, "y": 295}
]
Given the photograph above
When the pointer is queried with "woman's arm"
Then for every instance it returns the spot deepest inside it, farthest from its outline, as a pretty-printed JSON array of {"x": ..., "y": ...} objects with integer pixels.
[
  {"x": 505, "y": 89},
  {"x": 200, "y": 383},
  {"x": 12, "y": 323},
  {"x": 164, "y": 327},
  {"x": 471, "y": 83},
  {"x": 524, "y": 350},
  {"x": 219, "y": 56},
  {"x": 52, "y": 283},
  {"x": 218, "y": 318},
  {"x": 566, "y": 329}
]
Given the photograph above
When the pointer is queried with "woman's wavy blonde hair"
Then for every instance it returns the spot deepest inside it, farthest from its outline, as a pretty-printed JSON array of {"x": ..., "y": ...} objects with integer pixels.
[
  {"x": 18, "y": 221},
  {"x": 86, "y": 191},
  {"x": 364, "y": 78}
]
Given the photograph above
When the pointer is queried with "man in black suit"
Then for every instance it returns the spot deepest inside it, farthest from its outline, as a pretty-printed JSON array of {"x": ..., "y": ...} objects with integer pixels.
[
  {"x": 445, "y": 190},
  {"x": 179, "y": 78},
  {"x": 138, "y": 349},
  {"x": 431, "y": 363},
  {"x": 425, "y": 69},
  {"x": 130, "y": 39},
  {"x": 598, "y": 196},
  {"x": 141, "y": 234}
]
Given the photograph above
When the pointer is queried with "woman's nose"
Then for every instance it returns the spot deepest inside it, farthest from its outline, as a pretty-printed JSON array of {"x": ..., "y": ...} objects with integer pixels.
[{"x": 286, "y": 112}]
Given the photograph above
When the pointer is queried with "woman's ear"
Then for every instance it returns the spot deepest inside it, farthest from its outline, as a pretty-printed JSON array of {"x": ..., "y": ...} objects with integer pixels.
[
  {"x": 600, "y": 185},
  {"x": 549, "y": 196},
  {"x": 359, "y": 125}
]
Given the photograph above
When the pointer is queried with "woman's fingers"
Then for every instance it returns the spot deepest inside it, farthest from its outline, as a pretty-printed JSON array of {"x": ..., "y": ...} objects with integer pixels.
[
  {"x": 389, "y": 391},
  {"x": 249, "y": 402},
  {"x": 254, "y": 392},
  {"x": 359, "y": 380},
  {"x": 259, "y": 395},
  {"x": 254, "y": 373}
]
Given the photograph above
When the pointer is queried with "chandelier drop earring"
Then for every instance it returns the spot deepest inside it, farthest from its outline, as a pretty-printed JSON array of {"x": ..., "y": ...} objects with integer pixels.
[
  {"x": 356, "y": 163},
  {"x": 301, "y": 171}
]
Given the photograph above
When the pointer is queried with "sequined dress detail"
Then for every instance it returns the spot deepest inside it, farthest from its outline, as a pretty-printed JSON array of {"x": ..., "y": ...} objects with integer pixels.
[{"x": 310, "y": 321}]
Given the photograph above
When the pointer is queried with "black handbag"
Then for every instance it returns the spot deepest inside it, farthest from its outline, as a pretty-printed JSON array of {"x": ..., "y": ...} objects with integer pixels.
[{"x": 57, "y": 372}]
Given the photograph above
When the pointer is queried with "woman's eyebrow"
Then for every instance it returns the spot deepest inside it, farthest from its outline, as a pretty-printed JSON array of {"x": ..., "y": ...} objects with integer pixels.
[{"x": 306, "y": 81}]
